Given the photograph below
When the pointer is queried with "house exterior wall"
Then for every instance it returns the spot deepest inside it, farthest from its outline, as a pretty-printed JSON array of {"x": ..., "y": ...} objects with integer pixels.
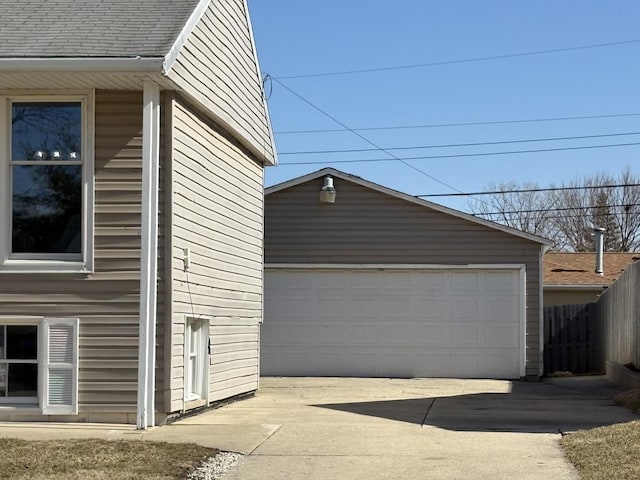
[
  {"x": 217, "y": 192},
  {"x": 366, "y": 226},
  {"x": 107, "y": 300},
  {"x": 217, "y": 68}
]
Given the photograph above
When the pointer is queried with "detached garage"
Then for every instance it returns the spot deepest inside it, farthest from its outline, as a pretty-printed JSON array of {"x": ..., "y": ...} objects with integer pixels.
[{"x": 378, "y": 283}]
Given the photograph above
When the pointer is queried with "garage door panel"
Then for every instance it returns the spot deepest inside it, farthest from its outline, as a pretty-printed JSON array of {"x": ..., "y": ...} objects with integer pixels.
[
  {"x": 465, "y": 281},
  {"x": 498, "y": 335},
  {"x": 466, "y": 308},
  {"x": 465, "y": 335},
  {"x": 406, "y": 323}
]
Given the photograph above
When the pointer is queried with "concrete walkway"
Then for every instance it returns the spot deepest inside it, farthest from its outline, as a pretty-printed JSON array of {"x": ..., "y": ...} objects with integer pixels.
[{"x": 329, "y": 428}]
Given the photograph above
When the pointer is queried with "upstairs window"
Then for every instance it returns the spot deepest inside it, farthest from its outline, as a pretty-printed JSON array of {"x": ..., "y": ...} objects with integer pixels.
[{"x": 48, "y": 208}]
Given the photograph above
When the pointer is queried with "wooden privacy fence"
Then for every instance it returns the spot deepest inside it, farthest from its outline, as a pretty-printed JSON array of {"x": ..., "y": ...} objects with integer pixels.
[{"x": 573, "y": 340}]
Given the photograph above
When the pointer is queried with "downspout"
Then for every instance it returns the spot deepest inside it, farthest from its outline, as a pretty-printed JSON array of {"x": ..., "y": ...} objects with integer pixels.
[{"x": 145, "y": 415}]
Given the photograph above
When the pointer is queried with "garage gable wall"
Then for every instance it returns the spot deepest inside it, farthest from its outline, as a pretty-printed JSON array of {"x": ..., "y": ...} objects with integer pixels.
[{"x": 365, "y": 226}]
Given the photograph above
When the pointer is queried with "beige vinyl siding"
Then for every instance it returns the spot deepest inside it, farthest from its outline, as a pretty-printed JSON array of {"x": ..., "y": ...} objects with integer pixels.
[
  {"x": 106, "y": 301},
  {"x": 217, "y": 68},
  {"x": 365, "y": 226},
  {"x": 217, "y": 190}
]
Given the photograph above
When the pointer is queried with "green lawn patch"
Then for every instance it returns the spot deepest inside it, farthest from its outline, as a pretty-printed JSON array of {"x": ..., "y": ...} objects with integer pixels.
[
  {"x": 611, "y": 452},
  {"x": 98, "y": 459}
]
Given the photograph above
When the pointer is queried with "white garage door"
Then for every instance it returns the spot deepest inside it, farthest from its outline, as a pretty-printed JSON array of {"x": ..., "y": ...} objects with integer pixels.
[{"x": 390, "y": 322}]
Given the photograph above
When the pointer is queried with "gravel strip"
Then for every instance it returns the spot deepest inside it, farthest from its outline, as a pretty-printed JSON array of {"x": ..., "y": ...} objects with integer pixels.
[{"x": 215, "y": 467}]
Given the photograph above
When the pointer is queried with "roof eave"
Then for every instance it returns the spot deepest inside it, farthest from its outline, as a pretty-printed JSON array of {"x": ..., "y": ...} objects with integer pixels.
[
  {"x": 575, "y": 287},
  {"x": 82, "y": 64}
]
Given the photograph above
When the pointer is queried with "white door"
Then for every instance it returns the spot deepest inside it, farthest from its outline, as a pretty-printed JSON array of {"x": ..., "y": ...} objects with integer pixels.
[{"x": 386, "y": 322}]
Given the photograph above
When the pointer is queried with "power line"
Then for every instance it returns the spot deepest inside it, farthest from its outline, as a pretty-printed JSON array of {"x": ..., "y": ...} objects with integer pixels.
[
  {"x": 458, "y": 61},
  {"x": 460, "y": 124},
  {"x": 561, "y": 209},
  {"x": 394, "y": 157},
  {"x": 475, "y": 144},
  {"x": 529, "y": 190},
  {"x": 462, "y": 155}
]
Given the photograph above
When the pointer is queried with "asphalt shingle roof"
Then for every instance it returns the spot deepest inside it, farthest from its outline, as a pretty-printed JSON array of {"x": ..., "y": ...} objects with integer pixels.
[
  {"x": 578, "y": 268},
  {"x": 91, "y": 28}
]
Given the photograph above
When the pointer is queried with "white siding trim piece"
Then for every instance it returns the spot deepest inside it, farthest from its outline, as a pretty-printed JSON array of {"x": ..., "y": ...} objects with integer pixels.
[
  {"x": 131, "y": 65},
  {"x": 409, "y": 198},
  {"x": 145, "y": 416},
  {"x": 523, "y": 320},
  {"x": 63, "y": 359},
  {"x": 393, "y": 266},
  {"x": 541, "y": 311},
  {"x": 184, "y": 35}
]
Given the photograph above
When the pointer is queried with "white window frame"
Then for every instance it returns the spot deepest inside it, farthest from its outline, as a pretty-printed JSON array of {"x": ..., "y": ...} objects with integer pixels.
[
  {"x": 34, "y": 322},
  {"x": 48, "y": 263},
  {"x": 200, "y": 390},
  {"x": 45, "y": 365}
]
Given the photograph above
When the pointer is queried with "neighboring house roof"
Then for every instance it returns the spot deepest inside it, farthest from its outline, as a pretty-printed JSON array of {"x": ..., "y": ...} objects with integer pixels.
[
  {"x": 89, "y": 28},
  {"x": 394, "y": 193},
  {"x": 563, "y": 269}
]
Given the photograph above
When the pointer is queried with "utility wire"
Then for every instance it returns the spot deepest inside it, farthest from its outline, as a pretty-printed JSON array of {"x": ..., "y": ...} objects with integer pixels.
[
  {"x": 561, "y": 209},
  {"x": 460, "y": 124},
  {"x": 475, "y": 144},
  {"x": 393, "y": 157},
  {"x": 529, "y": 190},
  {"x": 462, "y": 155},
  {"x": 453, "y": 62}
]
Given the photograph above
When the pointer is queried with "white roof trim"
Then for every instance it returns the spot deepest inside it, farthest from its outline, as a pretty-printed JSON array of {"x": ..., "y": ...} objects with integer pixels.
[
  {"x": 184, "y": 35},
  {"x": 409, "y": 198},
  {"x": 82, "y": 64},
  {"x": 259, "y": 77}
]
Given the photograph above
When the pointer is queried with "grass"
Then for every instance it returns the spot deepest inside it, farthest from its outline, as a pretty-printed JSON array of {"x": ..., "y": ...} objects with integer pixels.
[
  {"x": 98, "y": 459},
  {"x": 611, "y": 452}
]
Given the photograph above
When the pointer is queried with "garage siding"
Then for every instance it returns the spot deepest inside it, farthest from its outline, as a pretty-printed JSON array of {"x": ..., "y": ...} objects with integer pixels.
[{"x": 366, "y": 226}]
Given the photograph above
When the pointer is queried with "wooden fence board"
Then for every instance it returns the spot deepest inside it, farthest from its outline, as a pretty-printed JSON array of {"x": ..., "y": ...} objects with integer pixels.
[{"x": 572, "y": 339}]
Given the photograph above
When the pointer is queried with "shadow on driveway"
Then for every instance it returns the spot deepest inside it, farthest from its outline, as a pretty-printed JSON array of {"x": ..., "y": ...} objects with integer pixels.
[{"x": 552, "y": 406}]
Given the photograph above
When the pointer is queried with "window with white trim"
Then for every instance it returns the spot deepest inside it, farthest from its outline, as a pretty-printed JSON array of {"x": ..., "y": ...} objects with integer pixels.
[
  {"x": 19, "y": 363},
  {"x": 195, "y": 358},
  {"x": 47, "y": 168},
  {"x": 39, "y": 364}
]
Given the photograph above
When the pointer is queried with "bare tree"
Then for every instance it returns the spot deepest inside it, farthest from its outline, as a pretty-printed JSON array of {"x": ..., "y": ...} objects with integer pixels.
[
  {"x": 518, "y": 206},
  {"x": 568, "y": 215}
]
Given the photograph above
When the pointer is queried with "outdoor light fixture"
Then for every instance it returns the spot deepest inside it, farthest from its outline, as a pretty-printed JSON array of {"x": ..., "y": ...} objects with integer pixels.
[{"x": 328, "y": 192}]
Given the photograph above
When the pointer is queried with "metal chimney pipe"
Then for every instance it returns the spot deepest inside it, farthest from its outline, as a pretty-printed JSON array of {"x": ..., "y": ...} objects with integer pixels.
[{"x": 599, "y": 234}]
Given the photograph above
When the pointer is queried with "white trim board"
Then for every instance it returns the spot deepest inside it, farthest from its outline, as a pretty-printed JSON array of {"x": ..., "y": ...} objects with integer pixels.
[{"x": 394, "y": 266}]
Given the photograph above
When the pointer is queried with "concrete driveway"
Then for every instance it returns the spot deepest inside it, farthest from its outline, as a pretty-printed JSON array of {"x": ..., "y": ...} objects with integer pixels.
[{"x": 341, "y": 428}]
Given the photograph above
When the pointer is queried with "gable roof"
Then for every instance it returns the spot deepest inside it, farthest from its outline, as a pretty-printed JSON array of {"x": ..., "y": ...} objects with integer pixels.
[
  {"x": 578, "y": 269},
  {"x": 409, "y": 198},
  {"x": 90, "y": 28}
]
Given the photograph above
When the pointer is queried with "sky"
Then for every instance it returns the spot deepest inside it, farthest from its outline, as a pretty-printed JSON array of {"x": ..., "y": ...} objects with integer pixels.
[{"x": 454, "y": 83}]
